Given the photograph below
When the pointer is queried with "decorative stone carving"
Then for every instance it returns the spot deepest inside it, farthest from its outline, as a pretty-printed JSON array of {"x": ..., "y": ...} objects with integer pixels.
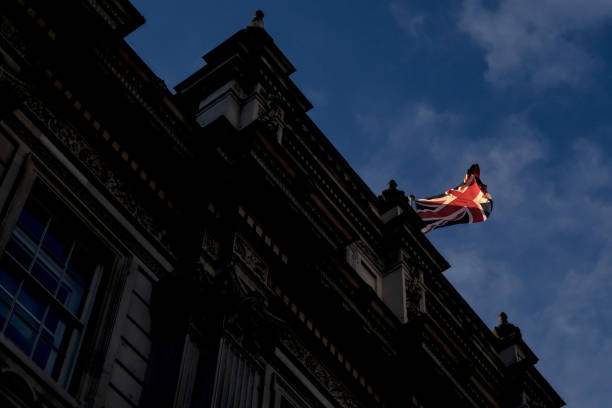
[
  {"x": 20, "y": 42},
  {"x": 246, "y": 254},
  {"x": 76, "y": 188},
  {"x": 328, "y": 380},
  {"x": 415, "y": 295},
  {"x": 99, "y": 167},
  {"x": 211, "y": 245},
  {"x": 249, "y": 319},
  {"x": 273, "y": 116},
  {"x": 138, "y": 88}
]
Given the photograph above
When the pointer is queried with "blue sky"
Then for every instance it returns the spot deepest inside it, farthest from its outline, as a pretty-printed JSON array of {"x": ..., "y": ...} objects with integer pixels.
[{"x": 417, "y": 91}]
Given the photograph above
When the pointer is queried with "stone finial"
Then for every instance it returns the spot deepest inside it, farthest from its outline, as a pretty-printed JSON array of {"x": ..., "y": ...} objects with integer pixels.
[
  {"x": 411, "y": 199},
  {"x": 392, "y": 195},
  {"x": 505, "y": 329},
  {"x": 257, "y": 20}
]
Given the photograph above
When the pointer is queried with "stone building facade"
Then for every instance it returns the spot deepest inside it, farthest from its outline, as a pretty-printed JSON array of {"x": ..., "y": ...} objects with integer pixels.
[{"x": 210, "y": 247}]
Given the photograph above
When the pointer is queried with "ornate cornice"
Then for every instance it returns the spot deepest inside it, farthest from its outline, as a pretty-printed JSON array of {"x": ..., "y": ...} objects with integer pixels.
[
  {"x": 100, "y": 168},
  {"x": 278, "y": 177},
  {"x": 123, "y": 17},
  {"x": 80, "y": 191},
  {"x": 317, "y": 369},
  {"x": 480, "y": 365},
  {"x": 139, "y": 89}
]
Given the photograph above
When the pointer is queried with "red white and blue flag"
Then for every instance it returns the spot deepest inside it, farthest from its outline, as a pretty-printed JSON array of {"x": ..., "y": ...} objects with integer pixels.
[{"x": 465, "y": 204}]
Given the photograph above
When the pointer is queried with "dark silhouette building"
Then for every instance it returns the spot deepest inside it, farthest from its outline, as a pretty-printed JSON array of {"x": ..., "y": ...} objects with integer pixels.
[{"x": 210, "y": 247}]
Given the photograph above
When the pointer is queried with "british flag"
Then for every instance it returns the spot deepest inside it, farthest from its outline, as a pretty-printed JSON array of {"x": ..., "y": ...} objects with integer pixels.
[{"x": 465, "y": 204}]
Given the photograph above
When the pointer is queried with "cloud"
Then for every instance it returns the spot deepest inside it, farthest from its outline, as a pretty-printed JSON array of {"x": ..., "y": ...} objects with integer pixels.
[
  {"x": 573, "y": 334},
  {"x": 410, "y": 21},
  {"x": 545, "y": 257},
  {"x": 486, "y": 283},
  {"x": 441, "y": 143},
  {"x": 535, "y": 42},
  {"x": 514, "y": 146},
  {"x": 412, "y": 134},
  {"x": 581, "y": 198},
  {"x": 570, "y": 328}
]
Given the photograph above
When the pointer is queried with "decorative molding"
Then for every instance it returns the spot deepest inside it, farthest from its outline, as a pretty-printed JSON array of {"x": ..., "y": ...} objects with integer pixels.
[
  {"x": 328, "y": 380},
  {"x": 99, "y": 167},
  {"x": 13, "y": 36},
  {"x": 211, "y": 245},
  {"x": 276, "y": 176},
  {"x": 326, "y": 342},
  {"x": 80, "y": 191},
  {"x": 250, "y": 322},
  {"x": 273, "y": 116},
  {"x": 187, "y": 373},
  {"x": 13, "y": 87},
  {"x": 346, "y": 290},
  {"x": 415, "y": 294},
  {"x": 137, "y": 88},
  {"x": 107, "y": 320},
  {"x": 251, "y": 259},
  {"x": 237, "y": 380}
]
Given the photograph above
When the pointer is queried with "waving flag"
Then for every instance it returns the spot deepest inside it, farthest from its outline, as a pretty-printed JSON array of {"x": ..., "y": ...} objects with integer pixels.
[{"x": 465, "y": 204}]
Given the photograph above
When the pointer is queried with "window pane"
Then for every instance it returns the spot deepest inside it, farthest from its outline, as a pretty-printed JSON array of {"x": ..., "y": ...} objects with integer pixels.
[
  {"x": 55, "y": 325},
  {"x": 64, "y": 294},
  {"x": 27, "y": 316},
  {"x": 45, "y": 276},
  {"x": 44, "y": 355},
  {"x": 7, "y": 279},
  {"x": 21, "y": 254},
  {"x": 6, "y": 297},
  {"x": 32, "y": 303},
  {"x": 58, "y": 241},
  {"x": 74, "y": 294},
  {"x": 33, "y": 219},
  {"x": 20, "y": 333}
]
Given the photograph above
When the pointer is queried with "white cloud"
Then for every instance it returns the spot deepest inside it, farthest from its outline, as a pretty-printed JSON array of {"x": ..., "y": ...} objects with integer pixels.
[
  {"x": 415, "y": 133},
  {"x": 573, "y": 335},
  {"x": 487, "y": 284},
  {"x": 514, "y": 146},
  {"x": 528, "y": 41}
]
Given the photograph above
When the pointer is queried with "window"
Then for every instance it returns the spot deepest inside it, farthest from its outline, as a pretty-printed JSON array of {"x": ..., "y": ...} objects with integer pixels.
[
  {"x": 290, "y": 388},
  {"x": 284, "y": 400},
  {"x": 49, "y": 272},
  {"x": 364, "y": 265}
]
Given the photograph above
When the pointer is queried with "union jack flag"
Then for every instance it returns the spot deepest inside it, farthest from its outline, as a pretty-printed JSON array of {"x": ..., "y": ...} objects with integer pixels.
[{"x": 465, "y": 204}]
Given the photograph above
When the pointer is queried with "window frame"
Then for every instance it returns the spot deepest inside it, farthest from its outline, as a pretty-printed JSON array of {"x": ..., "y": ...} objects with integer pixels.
[
  {"x": 369, "y": 273},
  {"x": 285, "y": 380},
  {"x": 33, "y": 171}
]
